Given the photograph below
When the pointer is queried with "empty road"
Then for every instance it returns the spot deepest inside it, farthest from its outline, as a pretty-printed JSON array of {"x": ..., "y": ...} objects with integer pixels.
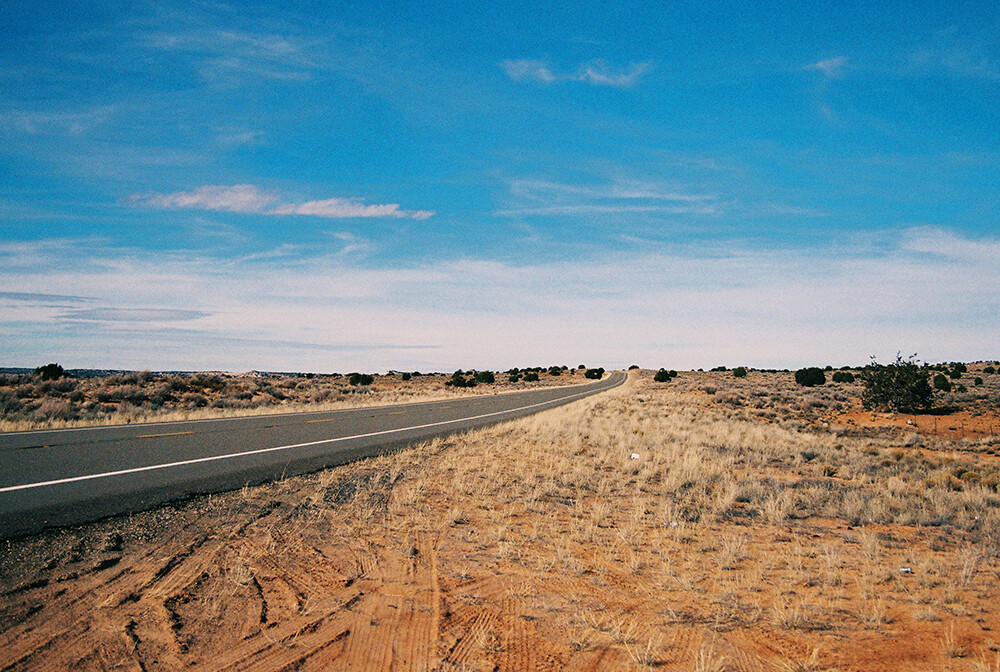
[{"x": 71, "y": 476}]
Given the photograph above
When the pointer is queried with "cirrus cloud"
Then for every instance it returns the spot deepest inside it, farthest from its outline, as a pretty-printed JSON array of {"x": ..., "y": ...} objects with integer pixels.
[{"x": 247, "y": 198}]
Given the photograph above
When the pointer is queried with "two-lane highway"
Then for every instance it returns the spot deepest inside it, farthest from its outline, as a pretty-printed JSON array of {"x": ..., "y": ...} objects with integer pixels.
[{"x": 70, "y": 476}]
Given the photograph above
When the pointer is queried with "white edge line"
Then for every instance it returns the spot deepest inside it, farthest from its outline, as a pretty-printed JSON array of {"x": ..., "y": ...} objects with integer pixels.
[{"x": 228, "y": 456}]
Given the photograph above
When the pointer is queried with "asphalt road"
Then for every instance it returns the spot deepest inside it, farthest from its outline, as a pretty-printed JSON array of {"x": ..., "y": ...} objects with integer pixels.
[{"x": 65, "y": 477}]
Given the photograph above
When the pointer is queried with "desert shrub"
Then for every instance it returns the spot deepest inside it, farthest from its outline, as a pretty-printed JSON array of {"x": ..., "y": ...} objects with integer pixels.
[
  {"x": 458, "y": 379},
  {"x": 56, "y": 409},
  {"x": 360, "y": 379},
  {"x": 530, "y": 377},
  {"x": 942, "y": 383},
  {"x": 554, "y": 371},
  {"x": 194, "y": 400},
  {"x": 51, "y": 371},
  {"x": 843, "y": 377},
  {"x": 486, "y": 377},
  {"x": 633, "y": 367},
  {"x": 978, "y": 381},
  {"x": 955, "y": 374},
  {"x": 595, "y": 374},
  {"x": 960, "y": 367},
  {"x": 989, "y": 369},
  {"x": 513, "y": 377},
  {"x": 902, "y": 386},
  {"x": 740, "y": 372},
  {"x": 9, "y": 403},
  {"x": 662, "y": 376},
  {"x": 208, "y": 382},
  {"x": 810, "y": 376},
  {"x": 406, "y": 375},
  {"x": 719, "y": 369},
  {"x": 177, "y": 384}
]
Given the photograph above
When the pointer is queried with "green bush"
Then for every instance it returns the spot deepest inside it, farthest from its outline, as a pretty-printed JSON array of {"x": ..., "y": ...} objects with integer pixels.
[
  {"x": 810, "y": 376},
  {"x": 960, "y": 367},
  {"x": 50, "y": 372},
  {"x": 530, "y": 377},
  {"x": 989, "y": 369},
  {"x": 555, "y": 371},
  {"x": 942, "y": 383},
  {"x": 843, "y": 377},
  {"x": 902, "y": 386},
  {"x": 459, "y": 380},
  {"x": 360, "y": 379},
  {"x": 485, "y": 377},
  {"x": 740, "y": 372},
  {"x": 955, "y": 374},
  {"x": 595, "y": 374},
  {"x": 978, "y": 381},
  {"x": 662, "y": 376},
  {"x": 633, "y": 367},
  {"x": 406, "y": 375},
  {"x": 719, "y": 368}
]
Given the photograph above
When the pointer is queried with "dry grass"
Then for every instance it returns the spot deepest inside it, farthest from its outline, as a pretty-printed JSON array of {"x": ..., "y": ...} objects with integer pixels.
[
  {"x": 27, "y": 403},
  {"x": 726, "y": 544}
]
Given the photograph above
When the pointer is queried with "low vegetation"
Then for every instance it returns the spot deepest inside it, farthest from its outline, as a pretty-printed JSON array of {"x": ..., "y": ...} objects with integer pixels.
[{"x": 50, "y": 396}]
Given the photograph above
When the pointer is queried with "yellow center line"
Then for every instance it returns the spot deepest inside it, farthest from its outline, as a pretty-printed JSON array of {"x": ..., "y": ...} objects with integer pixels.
[
  {"x": 397, "y": 413},
  {"x": 310, "y": 422},
  {"x": 150, "y": 436}
]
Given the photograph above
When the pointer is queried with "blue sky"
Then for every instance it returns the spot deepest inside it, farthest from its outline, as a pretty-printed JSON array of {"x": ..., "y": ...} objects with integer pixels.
[{"x": 421, "y": 186}]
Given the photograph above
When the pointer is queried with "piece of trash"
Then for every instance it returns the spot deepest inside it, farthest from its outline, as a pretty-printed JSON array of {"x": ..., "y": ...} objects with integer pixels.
[
  {"x": 635, "y": 456},
  {"x": 906, "y": 570},
  {"x": 672, "y": 523}
]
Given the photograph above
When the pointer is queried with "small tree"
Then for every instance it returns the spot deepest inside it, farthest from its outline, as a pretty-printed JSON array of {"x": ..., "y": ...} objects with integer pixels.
[
  {"x": 662, "y": 376},
  {"x": 406, "y": 375},
  {"x": 903, "y": 386},
  {"x": 530, "y": 377},
  {"x": 740, "y": 372},
  {"x": 810, "y": 376},
  {"x": 595, "y": 374},
  {"x": 843, "y": 377},
  {"x": 942, "y": 383},
  {"x": 50, "y": 372}
]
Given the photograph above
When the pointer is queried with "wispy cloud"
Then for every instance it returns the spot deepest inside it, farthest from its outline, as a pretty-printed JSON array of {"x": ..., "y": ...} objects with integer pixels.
[
  {"x": 231, "y": 56},
  {"x": 831, "y": 67},
  {"x": 58, "y": 123},
  {"x": 596, "y": 72},
  {"x": 921, "y": 289},
  {"x": 544, "y": 197},
  {"x": 958, "y": 55},
  {"x": 247, "y": 198},
  {"x": 133, "y": 315}
]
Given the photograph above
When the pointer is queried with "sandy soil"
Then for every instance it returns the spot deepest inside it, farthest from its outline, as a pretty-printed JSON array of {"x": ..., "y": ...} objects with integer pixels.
[{"x": 644, "y": 528}]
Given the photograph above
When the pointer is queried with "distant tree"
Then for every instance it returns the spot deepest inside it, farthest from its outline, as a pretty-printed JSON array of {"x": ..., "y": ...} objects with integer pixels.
[
  {"x": 530, "y": 377},
  {"x": 942, "y": 383},
  {"x": 662, "y": 376},
  {"x": 484, "y": 377},
  {"x": 843, "y": 377},
  {"x": 360, "y": 379},
  {"x": 810, "y": 376},
  {"x": 595, "y": 374},
  {"x": 989, "y": 369},
  {"x": 903, "y": 386},
  {"x": 740, "y": 372},
  {"x": 50, "y": 372},
  {"x": 633, "y": 367},
  {"x": 719, "y": 368},
  {"x": 406, "y": 375},
  {"x": 978, "y": 381}
]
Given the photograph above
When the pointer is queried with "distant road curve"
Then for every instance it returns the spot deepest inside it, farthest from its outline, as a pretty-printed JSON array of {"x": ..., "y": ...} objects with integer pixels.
[{"x": 70, "y": 476}]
